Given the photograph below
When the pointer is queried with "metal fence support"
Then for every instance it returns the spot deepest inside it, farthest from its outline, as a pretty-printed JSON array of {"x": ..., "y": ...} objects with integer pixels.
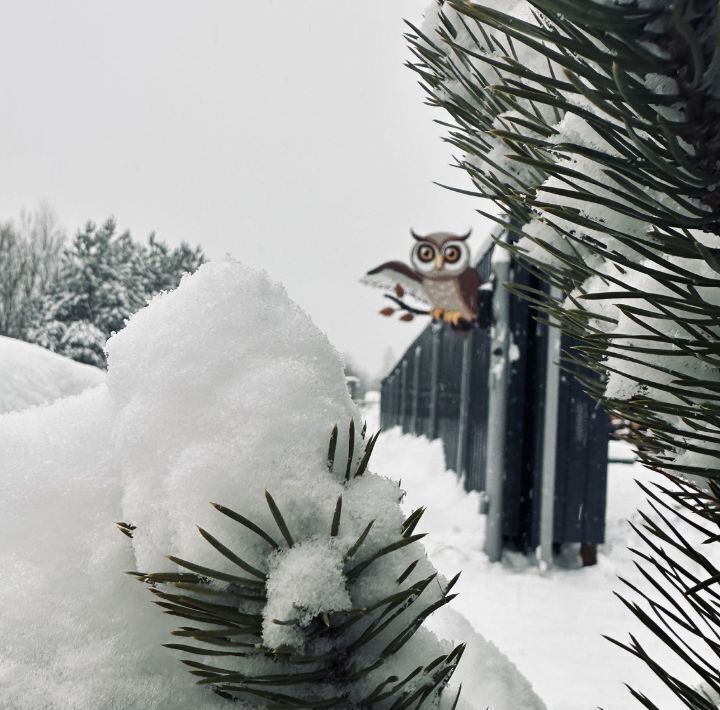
[
  {"x": 550, "y": 431},
  {"x": 415, "y": 391},
  {"x": 403, "y": 394},
  {"x": 464, "y": 403},
  {"x": 434, "y": 382},
  {"x": 497, "y": 404}
]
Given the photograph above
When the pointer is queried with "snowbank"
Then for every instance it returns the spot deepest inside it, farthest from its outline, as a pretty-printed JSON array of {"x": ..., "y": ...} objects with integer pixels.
[
  {"x": 215, "y": 392},
  {"x": 31, "y": 375}
]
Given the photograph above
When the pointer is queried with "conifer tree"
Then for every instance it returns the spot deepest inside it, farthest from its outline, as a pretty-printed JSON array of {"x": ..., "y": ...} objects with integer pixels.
[
  {"x": 104, "y": 278},
  {"x": 593, "y": 126},
  {"x": 30, "y": 250}
]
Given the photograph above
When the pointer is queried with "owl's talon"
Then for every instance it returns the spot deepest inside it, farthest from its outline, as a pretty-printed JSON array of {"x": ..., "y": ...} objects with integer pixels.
[
  {"x": 453, "y": 317},
  {"x": 437, "y": 313}
]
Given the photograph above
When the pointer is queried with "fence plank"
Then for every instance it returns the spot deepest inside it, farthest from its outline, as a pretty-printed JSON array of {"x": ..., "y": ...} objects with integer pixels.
[
  {"x": 460, "y": 459},
  {"x": 436, "y": 334},
  {"x": 415, "y": 397}
]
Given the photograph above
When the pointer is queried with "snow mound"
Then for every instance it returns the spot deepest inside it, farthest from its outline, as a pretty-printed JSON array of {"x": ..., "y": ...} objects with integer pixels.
[
  {"x": 222, "y": 389},
  {"x": 216, "y": 391},
  {"x": 32, "y": 376},
  {"x": 484, "y": 672},
  {"x": 304, "y": 581}
]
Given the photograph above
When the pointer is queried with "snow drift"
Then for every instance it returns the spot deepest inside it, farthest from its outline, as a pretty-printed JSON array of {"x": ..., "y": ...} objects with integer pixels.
[
  {"x": 31, "y": 375},
  {"x": 215, "y": 392}
]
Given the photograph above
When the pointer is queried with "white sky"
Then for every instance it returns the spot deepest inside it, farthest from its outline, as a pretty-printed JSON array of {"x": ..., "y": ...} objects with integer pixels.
[{"x": 288, "y": 134}]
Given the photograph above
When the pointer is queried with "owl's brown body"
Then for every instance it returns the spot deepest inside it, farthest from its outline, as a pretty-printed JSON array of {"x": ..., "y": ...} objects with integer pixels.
[{"x": 455, "y": 294}]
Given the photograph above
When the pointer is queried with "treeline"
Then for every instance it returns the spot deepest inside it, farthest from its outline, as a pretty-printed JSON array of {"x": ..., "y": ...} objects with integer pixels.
[{"x": 70, "y": 295}]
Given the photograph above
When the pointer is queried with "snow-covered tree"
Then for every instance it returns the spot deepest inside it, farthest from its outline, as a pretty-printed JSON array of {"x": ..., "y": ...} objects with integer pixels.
[
  {"x": 593, "y": 126},
  {"x": 104, "y": 278},
  {"x": 30, "y": 251}
]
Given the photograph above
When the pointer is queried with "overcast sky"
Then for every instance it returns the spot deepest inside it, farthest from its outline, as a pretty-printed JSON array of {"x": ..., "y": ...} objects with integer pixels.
[{"x": 285, "y": 133}]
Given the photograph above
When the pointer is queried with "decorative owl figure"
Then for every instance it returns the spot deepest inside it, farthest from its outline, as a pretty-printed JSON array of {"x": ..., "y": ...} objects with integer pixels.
[{"x": 441, "y": 276}]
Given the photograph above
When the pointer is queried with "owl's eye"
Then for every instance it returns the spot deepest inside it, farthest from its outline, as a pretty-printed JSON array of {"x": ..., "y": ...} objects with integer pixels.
[
  {"x": 426, "y": 253},
  {"x": 452, "y": 254}
]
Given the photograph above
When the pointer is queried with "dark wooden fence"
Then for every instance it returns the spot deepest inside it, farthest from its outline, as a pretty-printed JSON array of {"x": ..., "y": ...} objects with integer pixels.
[{"x": 439, "y": 389}]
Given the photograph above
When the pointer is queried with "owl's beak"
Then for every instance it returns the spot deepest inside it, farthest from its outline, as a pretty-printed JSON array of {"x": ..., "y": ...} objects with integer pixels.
[{"x": 439, "y": 261}]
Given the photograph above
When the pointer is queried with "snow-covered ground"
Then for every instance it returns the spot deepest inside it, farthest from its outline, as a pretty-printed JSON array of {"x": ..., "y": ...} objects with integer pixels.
[
  {"x": 550, "y": 625},
  {"x": 31, "y": 375}
]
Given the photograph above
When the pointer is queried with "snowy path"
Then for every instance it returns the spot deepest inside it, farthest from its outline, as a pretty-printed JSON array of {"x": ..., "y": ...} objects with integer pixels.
[{"x": 550, "y": 625}]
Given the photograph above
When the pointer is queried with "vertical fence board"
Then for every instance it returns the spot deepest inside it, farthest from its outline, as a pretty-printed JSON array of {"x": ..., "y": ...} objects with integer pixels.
[
  {"x": 465, "y": 369},
  {"x": 415, "y": 392},
  {"x": 478, "y": 413},
  {"x": 449, "y": 394},
  {"x": 522, "y": 419},
  {"x": 435, "y": 337},
  {"x": 581, "y": 485},
  {"x": 403, "y": 414}
]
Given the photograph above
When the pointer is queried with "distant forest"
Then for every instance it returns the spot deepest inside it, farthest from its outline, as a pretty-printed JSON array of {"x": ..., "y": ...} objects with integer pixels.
[{"x": 70, "y": 295}]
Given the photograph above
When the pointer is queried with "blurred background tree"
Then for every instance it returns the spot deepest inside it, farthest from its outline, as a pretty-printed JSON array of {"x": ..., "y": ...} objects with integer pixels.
[
  {"x": 30, "y": 255},
  {"x": 71, "y": 298}
]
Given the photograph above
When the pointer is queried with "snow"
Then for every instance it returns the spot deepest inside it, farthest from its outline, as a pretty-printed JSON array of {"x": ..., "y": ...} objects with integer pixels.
[
  {"x": 304, "y": 582},
  {"x": 31, "y": 376},
  {"x": 550, "y": 626},
  {"x": 217, "y": 391}
]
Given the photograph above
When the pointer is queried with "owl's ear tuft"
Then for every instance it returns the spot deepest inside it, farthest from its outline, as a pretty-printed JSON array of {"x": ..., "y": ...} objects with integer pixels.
[
  {"x": 416, "y": 236},
  {"x": 463, "y": 237}
]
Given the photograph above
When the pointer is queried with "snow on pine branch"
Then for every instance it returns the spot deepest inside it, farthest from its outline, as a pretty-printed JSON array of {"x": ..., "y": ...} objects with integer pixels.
[{"x": 592, "y": 140}]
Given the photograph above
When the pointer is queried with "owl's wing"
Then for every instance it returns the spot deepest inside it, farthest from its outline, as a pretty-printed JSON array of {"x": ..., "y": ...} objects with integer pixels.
[
  {"x": 469, "y": 282},
  {"x": 391, "y": 273}
]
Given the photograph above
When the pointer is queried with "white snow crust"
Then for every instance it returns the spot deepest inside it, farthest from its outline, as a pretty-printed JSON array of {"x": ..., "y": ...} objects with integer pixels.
[
  {"x": 31, "y": 376},
  {"x": 304, "y": 582}
]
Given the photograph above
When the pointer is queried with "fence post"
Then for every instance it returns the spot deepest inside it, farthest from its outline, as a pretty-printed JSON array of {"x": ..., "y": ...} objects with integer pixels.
[
  {"x": 434, "y": 383},
  {"x": 399, "y": 391},
  {"x": 497, "y": 402},
  {"x": 403, "y": 394},
  {"x": 416, "y": 391},
  {"x": 550, "y": 420},
  {"x": 390, "y": 421},
  {"x": 464, "y": 402}
]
